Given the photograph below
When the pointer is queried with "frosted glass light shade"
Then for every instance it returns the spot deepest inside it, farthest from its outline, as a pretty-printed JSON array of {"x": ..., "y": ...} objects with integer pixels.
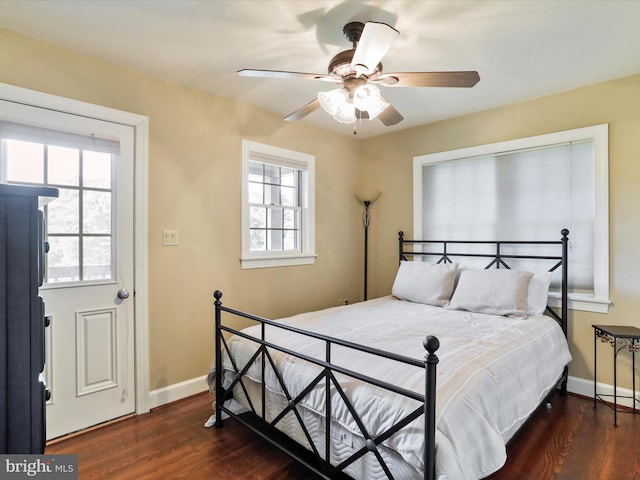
[
  {"x": 332, "y": 100},
  {"x": 342, "y": 108},
  {"x": 367, "y": 98},
  {"x": 346, "y": 113},
  {"x": 336, "y": 103}
]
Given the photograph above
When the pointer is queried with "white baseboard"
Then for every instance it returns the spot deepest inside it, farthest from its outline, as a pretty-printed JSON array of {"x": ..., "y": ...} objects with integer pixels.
[
  {"x": 584, "y": 387},
  {"x": 177, "y": 391}
]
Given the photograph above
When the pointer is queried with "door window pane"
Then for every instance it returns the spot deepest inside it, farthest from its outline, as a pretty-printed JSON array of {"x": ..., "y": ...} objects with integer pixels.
[
  {"x": 96, "y": 212},
  {"x": 63, "y": 259},
  {"x": 96, "y": 258},
  {"x": 25, "y": 162},
  {"x": 64, "y": 212},
  {"x": 96, "y": 169},
  {"x": 63, "y": 166}
]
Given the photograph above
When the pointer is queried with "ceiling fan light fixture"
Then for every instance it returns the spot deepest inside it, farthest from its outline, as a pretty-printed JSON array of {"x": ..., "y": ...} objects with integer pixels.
[
  {"x": 368, "y": 98},
  {"x": 332, "y": 100},
  {"x": 339, "y": 104},
  {"x": 346, "y": 113}
]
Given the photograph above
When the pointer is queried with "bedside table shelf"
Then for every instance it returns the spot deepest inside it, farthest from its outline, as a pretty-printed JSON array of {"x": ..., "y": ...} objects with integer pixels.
[{"x": 620, "y": 338}]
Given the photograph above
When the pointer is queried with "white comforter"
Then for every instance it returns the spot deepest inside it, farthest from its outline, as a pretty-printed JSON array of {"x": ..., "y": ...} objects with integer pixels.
[{"x": 493, "y": 372}]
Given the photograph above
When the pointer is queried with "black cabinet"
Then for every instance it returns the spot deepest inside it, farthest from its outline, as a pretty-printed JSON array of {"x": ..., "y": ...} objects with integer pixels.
[{"x": 22, "y": 249}]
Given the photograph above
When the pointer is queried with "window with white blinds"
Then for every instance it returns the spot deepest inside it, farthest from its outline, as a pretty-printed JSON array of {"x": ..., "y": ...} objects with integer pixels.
[{"x": 528, "y": 189}]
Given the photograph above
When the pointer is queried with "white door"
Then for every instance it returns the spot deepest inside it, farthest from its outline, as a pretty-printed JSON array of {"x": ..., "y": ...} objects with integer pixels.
[{"x": 88, "y": 289}]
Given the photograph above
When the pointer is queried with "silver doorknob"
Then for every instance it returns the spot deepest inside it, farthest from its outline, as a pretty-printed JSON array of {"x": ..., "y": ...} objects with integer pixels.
[{"x": 123, "y": 294}]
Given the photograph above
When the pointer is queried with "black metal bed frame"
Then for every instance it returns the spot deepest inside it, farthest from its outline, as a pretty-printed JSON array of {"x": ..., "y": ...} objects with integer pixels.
[{"x": 321, "y": 464}]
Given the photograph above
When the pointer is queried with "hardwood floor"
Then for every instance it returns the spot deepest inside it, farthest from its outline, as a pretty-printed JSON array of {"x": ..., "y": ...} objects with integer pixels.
[
  {"x": 171, "y": 443},
  {"x": 572, "y": 441}
]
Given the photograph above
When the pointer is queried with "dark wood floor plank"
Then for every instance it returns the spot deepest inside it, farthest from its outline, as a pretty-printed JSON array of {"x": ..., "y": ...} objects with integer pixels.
[
  {"x": 621, "y": 447},
  {"x": 571, "y": 441},
  {"x": 589, "y": 450}
]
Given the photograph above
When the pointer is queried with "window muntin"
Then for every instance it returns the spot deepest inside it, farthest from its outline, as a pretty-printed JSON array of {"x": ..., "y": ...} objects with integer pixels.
[
  {"x": 79, "y": 223},
  {"x": 525, "y": 189},
  {"x": 278, "y": 206}
]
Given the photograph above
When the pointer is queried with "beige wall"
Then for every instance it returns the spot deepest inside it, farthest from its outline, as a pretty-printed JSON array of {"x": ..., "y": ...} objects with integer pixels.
[
  {"x": 194, "y": 187},
  {"x": 388, "y": 166}
]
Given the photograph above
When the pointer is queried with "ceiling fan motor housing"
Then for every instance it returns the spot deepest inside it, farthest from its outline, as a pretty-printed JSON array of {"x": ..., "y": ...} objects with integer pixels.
[{"x": 340, "y": 65}]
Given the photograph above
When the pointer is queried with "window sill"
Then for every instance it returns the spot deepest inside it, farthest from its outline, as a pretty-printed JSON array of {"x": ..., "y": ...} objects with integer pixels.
[
  {"x": 581, "y": 302},
  {"x": 277, "y": 261}
]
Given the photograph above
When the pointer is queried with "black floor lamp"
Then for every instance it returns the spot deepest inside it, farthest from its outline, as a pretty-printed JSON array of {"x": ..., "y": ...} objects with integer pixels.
[{"x": 366, "y": 221}]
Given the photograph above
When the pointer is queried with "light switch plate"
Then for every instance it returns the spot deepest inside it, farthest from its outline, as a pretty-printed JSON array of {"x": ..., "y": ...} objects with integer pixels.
[{"x": 170, "y": 237}]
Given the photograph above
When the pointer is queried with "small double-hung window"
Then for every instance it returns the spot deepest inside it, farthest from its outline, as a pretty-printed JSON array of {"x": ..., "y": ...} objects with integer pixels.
[{"x": 278, "y": 207}]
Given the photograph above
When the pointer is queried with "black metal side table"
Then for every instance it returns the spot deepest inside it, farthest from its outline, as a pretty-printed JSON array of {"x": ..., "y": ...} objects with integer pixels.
[{"x": 620, "y": 338}]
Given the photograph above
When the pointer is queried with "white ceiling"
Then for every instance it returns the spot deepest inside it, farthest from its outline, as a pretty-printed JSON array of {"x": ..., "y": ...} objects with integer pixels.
[{"x": 522, "y": 49}]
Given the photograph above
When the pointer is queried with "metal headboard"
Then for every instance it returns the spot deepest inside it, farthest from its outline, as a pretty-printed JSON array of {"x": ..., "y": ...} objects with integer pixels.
[{"x": 444, "y": 250}]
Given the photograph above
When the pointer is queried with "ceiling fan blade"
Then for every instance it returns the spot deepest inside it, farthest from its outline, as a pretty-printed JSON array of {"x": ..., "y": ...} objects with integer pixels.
[
  {"x": 246, "y": 72},
  {"x": 429, "y": 79},
  {"x": 303, "y": 111},
  {"x": 390, "y": 116},
  {"x": 375, "y": 42}
]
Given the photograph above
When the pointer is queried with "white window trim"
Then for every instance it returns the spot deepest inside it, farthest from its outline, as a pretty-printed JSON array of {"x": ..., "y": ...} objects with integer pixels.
[
  {"x": 282, "y": 156},
  {"x": 599, "y": 134}
]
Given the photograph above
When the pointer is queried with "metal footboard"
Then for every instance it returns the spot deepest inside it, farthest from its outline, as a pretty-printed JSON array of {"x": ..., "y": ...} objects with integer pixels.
[{"x": 322, "y": 463}]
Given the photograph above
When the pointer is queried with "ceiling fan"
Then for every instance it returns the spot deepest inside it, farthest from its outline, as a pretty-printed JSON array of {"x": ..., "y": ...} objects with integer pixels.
[{"x": 358, "y": 71}]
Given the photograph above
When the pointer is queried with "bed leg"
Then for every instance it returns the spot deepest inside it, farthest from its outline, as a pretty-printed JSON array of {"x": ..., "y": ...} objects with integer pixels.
[
  {"x": 431, "y": 344},
  {"x": 565, "y": 379},
  {"x": 219, "y": 390}
]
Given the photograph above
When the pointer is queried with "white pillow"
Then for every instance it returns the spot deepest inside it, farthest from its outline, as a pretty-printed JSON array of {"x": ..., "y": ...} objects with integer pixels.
[
  {"x": 423, "y": 282},
  {"x": 538, "y": 293},
  {"x": 494, "y": 291}
]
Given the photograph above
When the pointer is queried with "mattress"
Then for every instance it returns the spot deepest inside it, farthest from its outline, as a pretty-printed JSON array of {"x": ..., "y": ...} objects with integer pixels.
[{"x": 493, "y": 373}]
